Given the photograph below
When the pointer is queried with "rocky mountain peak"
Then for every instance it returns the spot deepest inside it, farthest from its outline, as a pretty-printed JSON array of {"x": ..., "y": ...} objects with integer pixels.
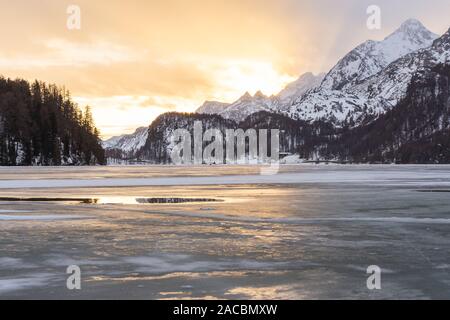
[
  {"x": 412, "y": 25},
  {"x": 260, "y": 95},
  {"x": 246, "y": 96},
  {"x": 412, "y": 31}
]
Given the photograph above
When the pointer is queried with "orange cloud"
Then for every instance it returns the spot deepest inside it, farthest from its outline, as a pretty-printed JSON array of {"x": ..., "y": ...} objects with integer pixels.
[{"x": 150, "y": 56}]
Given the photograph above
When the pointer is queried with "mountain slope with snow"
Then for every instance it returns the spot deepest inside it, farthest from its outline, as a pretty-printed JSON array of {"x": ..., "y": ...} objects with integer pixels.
[
  {"x": 416, "y": 130},
  {"x": 371, "y": 57},
  {"x": 349, "y": 91},
  {"x": 356, "y": 99},
  {"x": 127, "y": 144}
]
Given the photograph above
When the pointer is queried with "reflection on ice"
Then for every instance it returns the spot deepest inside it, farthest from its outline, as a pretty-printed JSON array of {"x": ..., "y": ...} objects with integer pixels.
[
  {"x": 109, "y": 200},
  {"x": 284, "y": 292}
]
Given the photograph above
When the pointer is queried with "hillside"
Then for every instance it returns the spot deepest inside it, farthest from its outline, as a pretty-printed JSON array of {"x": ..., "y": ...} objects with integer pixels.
[{"x": 40, "y": 125}]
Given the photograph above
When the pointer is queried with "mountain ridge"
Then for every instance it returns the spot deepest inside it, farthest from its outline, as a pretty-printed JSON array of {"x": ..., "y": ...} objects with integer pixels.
[
  {"x": 321, "y": 112},
  {"x": 373, "y": 95},
  {"x": 372, "y": 56},
  {"x": 248, "y": 104}
]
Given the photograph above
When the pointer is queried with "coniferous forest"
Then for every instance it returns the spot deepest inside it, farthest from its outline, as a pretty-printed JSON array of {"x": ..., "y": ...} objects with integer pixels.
[{"x": 41, "y": 125}]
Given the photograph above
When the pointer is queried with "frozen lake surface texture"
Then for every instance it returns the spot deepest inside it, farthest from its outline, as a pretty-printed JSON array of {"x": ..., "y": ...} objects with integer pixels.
[{"x": 227, "y": 232}]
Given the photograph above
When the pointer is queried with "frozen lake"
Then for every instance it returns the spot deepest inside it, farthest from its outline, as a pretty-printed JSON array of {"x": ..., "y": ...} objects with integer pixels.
[{"x": 160, "y": 232}]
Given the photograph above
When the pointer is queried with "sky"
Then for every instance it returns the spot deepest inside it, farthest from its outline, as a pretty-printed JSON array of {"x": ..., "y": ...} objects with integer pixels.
[{"x": 133, "y": 60}]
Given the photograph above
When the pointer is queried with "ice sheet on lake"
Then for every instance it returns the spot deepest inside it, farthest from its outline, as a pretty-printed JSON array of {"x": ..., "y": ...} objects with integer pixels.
[
  {"x": 59, "y": 260},
  {"x": 219, "y": 216},
  {"x": 25, "y": 282},
  {"x": 14, "y": 263},
  {"x": 391, "y": 177},
  {"x": 171, "y": 263}
]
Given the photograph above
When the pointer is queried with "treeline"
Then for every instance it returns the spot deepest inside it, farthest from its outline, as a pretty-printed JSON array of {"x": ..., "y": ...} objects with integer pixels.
[{"x": 41, "y": 125}]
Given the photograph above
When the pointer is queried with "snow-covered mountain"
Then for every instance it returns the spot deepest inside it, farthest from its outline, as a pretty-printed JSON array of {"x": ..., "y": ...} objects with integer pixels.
[
  {"x": 128, "y": 144},
  {"x": 359, "y": 86},
  {"x": 365, "y": 85},
  {"x": 416, "y": 130},
  {"x": 349, "y": 91},
  {"x": 371, "y": 57},
  {"x": 248, "y": 104}
]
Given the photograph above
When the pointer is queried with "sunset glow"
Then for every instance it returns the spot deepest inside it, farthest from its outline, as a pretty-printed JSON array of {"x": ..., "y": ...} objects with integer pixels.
[{"x": 137, "y": 60}]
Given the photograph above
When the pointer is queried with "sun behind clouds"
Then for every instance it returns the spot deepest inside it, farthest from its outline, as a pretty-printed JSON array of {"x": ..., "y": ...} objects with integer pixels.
[{"x": 134, "y": 61}]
